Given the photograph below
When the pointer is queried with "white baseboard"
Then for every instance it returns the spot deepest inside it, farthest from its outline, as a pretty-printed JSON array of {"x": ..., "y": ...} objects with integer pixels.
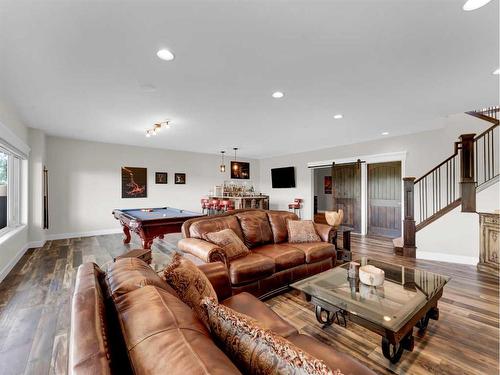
[
  {"x": 9, "y": 266},
  {"x": 99, "y": 232},
  {"x": 35, "y": 244},
  {"x": 448, "y": 258}
]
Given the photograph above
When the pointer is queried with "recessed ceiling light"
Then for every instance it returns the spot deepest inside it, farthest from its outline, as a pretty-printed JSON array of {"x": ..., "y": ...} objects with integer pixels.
[
  {"x": 474, "y": 4},
  {"x": 385, "y": 133},
  {"x": 497, "y": 72},
  {"x": 278, "y": 94},
  {"x": 165, "y": 54},
  {"x": 338, "y": 117}
]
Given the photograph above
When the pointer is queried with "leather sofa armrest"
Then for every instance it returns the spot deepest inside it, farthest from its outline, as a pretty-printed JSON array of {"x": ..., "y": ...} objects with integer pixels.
[
  {"x": 216, "y": 272},
  {"x": 325, "y": 232},
  {"x": 204, "y": 250}
]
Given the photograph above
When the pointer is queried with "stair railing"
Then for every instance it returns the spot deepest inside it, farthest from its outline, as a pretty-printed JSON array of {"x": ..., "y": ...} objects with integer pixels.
[{"x": 453, "y": 182}]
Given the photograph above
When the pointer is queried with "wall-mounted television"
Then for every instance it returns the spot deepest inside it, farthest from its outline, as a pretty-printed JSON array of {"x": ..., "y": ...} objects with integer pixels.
[{"x": 283, "y": 177}]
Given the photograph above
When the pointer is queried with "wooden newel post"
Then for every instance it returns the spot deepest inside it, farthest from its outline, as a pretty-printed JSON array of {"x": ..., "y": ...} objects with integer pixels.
[
  {"x": 467, "y": 174},
  {"x": 409, "y": 229}
]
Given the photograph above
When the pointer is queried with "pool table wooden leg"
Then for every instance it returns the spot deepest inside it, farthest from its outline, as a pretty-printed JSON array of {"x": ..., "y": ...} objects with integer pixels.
[
  {"x": 146, "y": 244},
  {"x": 126, "y": 232}
]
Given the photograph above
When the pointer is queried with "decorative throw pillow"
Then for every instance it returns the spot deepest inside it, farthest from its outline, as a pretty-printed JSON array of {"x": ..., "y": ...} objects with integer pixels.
[
  {"x": 301, "y": 231},
  {"x": 229, "y": 241},
  {"x": 190, "y": 283},
  {"x": 256, "y": 350}
]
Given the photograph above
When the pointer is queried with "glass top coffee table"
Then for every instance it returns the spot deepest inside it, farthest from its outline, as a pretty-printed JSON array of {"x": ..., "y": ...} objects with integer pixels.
[{"x": 407, "y": 298}]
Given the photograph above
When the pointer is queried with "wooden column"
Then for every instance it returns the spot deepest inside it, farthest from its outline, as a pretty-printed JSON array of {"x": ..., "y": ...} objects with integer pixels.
[
  {"x": 409, "y": 229},
  {"x": 467, "y": 175}
]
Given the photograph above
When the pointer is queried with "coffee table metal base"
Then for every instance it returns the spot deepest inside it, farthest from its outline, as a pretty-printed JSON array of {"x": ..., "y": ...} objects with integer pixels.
[
  {"x": 393, "y": 343},
  {"x": 330, "y": 317}
]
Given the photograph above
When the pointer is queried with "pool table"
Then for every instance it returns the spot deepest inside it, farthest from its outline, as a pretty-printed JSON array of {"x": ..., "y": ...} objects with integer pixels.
[{"x": 150, "y": 223}]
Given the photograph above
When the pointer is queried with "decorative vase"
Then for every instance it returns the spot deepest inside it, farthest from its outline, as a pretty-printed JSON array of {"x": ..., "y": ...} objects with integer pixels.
[{"x": 371, "y": 275}]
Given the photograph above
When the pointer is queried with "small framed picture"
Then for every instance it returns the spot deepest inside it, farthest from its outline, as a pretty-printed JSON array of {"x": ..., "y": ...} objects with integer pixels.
[
  {"x": 161, "y": 177},
  {"x": 180, "y": 178}
]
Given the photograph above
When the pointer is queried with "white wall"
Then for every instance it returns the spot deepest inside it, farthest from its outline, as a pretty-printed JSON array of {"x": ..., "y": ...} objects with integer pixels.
[
  {"x": 85, "y": 182},
  {"x": 455, "y": 236},
  {"x": 423, "y": 151},
  {"x": 13, "y": 244}
]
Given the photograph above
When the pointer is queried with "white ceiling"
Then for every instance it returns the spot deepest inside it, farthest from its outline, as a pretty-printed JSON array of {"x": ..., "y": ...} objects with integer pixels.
[{"x": 84, "y": 69}]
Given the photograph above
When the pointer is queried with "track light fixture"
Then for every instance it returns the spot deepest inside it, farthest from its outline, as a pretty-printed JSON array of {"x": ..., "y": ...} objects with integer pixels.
[{"x": 157, "y": 127}]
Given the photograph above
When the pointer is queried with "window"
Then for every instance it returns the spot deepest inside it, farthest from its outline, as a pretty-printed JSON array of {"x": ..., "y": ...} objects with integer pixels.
[{"x": 11, "y": 166}]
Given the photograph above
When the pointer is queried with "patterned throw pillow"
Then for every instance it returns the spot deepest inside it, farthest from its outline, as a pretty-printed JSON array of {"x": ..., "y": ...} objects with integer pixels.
[
  {"x": 190, "y": 283},
  {"x": 301, "y": 231},
  {"x": 229, "y": 241},
  {"x": 256, "y": 350}
]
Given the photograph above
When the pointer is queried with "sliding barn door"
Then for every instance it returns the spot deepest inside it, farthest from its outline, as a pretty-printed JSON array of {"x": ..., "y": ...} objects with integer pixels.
[
  {"x": 346, "y": 193},
  {"x": 384, "y": 199}
]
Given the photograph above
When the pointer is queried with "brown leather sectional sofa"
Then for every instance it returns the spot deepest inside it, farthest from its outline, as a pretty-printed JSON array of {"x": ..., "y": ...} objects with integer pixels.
[
  {"x": 273, "y": 263},
  {"x": 129, "y": 321}
]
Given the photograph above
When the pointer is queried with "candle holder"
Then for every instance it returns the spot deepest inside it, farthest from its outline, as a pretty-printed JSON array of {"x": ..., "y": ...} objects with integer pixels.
[{"x": 353, "y": 271}]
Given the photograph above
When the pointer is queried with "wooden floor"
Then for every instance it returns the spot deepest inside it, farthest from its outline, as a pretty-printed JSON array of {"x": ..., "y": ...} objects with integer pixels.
[{"x": 35, "y": 312}]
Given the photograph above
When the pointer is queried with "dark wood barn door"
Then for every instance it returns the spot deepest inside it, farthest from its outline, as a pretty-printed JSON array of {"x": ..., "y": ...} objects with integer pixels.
[
  {"x": 384, "y": 199},
  {"x": 346, "y": 193}
]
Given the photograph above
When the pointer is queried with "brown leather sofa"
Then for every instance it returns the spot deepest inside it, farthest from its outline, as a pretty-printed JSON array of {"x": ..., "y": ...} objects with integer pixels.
[
  {"x": 129, "y": 321},
  {"x": 273, "y": 263}
]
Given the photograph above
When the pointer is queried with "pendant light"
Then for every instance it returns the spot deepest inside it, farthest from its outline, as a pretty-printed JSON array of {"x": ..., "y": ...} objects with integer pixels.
[
  {"x": 222, "y": 167},
  {"x": 235, "y": 164}
]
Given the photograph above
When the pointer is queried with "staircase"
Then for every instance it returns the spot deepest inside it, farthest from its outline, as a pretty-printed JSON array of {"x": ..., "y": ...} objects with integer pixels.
[{"x": 454, "y": 182}]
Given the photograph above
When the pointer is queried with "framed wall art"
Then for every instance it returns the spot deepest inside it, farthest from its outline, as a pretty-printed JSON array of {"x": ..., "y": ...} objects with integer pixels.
[
  {"x": 134, "y": 182},
  {"x": 240, "y": 170},
  {"x": 161, "y": 177},
  {"x": 180, "y": 178}
]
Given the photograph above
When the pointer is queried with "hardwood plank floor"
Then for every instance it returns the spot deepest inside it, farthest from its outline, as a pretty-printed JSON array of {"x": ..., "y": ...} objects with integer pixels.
[{"x": 35, "y": 312}]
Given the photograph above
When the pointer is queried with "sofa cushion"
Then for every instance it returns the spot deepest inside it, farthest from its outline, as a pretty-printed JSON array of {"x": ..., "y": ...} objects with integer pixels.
[
  {"x": 228, "y": 241},
  {"x": 89, "y": 351},
  {"x": 251, "y": 306},
  {"x": 163, "y": 335},
  {"x": 277, "y": 220},
  {"x": 190, "y": 283},
  {"x": 250, "y": 268},
  {"x": 128, "y": 274},
  {"x": 256, "y": 350},
  {"x": 214, "y": 224},
  {"x": 301, "y": 231},
  {"x": 315, "y": 251},
  {"x": 283, "y": 255},
  {"x": 255, "y": 227},
  {"x": 330, "y": 356}
]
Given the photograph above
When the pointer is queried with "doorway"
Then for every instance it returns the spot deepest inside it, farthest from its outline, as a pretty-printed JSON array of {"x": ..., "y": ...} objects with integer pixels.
[
  {"x": 384, "y": 199},
  {"x": 338, "y": 188}
]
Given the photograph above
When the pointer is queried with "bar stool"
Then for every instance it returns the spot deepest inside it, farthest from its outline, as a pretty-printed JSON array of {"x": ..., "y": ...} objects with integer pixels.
[
  {"x": 227, "y": 205},
  {"x": 205, "y": 205},
  {"x": 215, "y": 206},
  {"x": 295, "y": 206}
]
